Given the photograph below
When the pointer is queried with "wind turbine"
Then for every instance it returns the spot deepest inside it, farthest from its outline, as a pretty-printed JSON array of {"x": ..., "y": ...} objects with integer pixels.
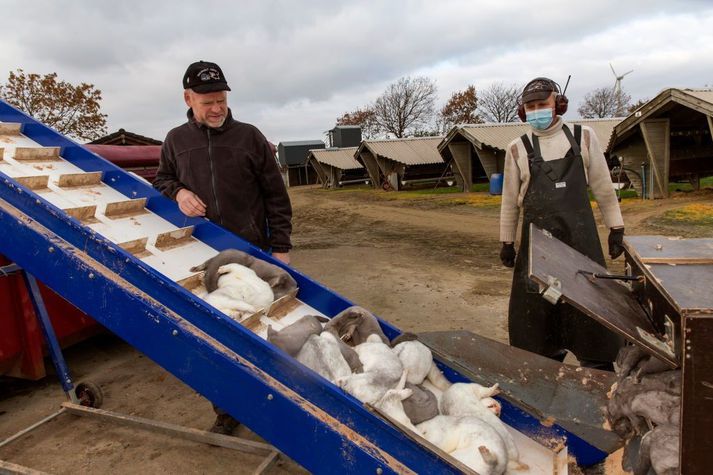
[{"x": 617, "y": 83}]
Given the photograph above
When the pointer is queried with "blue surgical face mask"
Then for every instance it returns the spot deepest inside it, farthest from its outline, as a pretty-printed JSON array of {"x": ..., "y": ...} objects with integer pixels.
[{"x": 540, "y": 119}]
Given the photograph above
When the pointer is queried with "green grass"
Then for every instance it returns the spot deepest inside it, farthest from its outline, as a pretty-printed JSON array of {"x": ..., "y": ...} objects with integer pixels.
[
  {"x": 480, "y": 187},
  {"x": 692, "y": 220},
  {"x": 433, "y": 191},
  {"x": 421, "y": 193},
  {"x": 697, "y": 214},
  {"x": 685, "y": 186}
]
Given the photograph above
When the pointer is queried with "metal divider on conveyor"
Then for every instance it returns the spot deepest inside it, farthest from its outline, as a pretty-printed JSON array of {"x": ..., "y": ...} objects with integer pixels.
[{"x": 110, "y": 244}]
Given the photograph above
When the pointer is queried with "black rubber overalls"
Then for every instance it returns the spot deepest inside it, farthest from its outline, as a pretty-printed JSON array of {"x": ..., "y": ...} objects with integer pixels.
[{"x": 557, "y": 200}]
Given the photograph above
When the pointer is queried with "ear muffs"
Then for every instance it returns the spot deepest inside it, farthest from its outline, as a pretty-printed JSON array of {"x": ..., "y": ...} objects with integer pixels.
[
  {"x": 521, "y": 111},
  {"x": 561, "y": 101}
]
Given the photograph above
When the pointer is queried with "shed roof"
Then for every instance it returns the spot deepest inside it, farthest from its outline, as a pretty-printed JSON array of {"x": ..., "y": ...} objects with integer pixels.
[
  {"x": 124, "y": 137},
  {"x": 297, "y": 143},
  {"x": 410, "y": 151},
  {"x": 499, "y": 135},
  {"x": 347, "y": 127},
  {"x": 700, "y": 100},
  {"x": 342, "y": 158}
]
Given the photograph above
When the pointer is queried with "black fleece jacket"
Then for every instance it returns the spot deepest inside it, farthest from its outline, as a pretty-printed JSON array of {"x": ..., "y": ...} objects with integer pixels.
[{"x": 232, "y": 169}]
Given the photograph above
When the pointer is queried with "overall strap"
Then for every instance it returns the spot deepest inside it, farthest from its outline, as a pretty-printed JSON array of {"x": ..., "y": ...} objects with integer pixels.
[
  {"x": 528, "y": 147},
  {"x": 578, "y": 134},
  {"x": 572, "y": 142}
]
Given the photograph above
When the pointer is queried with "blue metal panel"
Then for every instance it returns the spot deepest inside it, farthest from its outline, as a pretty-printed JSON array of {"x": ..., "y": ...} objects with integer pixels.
[
  {"x": 257, "y": 352},
  {"x": 274, "y": 411}
]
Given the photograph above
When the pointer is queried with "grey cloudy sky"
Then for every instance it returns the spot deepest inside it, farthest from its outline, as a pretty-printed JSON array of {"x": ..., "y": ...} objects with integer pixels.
[{"x": 294, "y": 66}]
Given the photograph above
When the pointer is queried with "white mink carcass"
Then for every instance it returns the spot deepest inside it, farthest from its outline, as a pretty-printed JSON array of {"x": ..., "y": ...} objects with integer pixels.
[
  {"x": 470, "y": 440},
  {"x": 466, "y": 399},
  {"x": 240, "y": 291},
  {"x": 382, "y": 370}
]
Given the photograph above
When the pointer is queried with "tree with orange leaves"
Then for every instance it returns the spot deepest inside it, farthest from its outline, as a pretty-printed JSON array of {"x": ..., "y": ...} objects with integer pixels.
[
  {"x": 461, "y": 108},
  {"x": 70, "y": 110}
]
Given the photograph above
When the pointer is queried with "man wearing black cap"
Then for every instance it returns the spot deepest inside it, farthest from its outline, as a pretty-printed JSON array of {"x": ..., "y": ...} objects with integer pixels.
[
  {"x": 224, "y": 170},
  {"x": 547, "y": 175}
]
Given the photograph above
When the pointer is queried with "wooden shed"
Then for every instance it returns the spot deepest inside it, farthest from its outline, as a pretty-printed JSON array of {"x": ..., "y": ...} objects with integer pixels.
[
  {"x": 477, "y": 151},
  {"x": 395, "y": 163},
  {"x": 667, "y": 139},
  {"x": 336, "y": 167},
  {"x": 292, "y": 157}
]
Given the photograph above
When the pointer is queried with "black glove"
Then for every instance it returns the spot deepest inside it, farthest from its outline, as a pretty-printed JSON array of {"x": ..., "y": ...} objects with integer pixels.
[
  {"x": 507, "y": 254},
  {"x": 616, "y": 242}
]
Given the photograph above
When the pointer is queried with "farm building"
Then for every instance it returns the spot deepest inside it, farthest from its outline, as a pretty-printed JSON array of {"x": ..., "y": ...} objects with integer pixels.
[
  {"x": 122, "y": 137},
  {"x": 337, "y": 166},
  {"x": 667, "y": 139},
  {"x": 342, "y": 136},
  {"x": 293, "y": 160},
  {"x": 477, "y": 151},
  {"x": 132, "y": 152},
  {"x": 395, "y": 163}
]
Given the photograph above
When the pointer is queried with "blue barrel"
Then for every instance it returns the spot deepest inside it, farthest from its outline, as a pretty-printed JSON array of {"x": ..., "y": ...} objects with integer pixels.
[{"x": 496, "y": 184}]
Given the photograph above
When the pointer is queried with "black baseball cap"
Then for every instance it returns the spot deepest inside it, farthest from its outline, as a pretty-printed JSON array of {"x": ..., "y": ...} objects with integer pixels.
[
  {"x": 538, "y": 89},
  {"x": 204, "y": 77}
]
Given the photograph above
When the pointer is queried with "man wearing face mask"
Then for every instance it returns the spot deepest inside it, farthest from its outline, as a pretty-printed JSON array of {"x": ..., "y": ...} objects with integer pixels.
[{"x": 547, "y": 173}]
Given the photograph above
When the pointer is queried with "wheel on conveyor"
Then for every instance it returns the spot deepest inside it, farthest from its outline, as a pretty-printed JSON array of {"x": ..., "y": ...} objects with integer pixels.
[{"x": 89, "y": 394}]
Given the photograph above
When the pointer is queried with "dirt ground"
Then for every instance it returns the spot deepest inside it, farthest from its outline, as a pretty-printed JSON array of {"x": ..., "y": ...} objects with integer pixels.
[{"x": 425, "y": 262}]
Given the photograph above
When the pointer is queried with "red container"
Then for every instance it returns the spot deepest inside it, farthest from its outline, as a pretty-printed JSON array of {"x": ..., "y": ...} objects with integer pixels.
[
  {"x": 140, "y": 159},
  {"x": 22, "y": 344}
]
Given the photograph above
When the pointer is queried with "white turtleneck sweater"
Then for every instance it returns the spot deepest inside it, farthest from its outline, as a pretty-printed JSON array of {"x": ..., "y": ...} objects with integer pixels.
[{"x": 554, "y": 145}]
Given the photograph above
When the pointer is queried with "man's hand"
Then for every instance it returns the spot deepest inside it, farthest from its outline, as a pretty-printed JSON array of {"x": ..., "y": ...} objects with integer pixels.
[
  {"x": 507, "y": 254},
  {"x": 282, "y": 256},
  {"x": 616, "y": 242},
  {"x": 189, "y": 203}
]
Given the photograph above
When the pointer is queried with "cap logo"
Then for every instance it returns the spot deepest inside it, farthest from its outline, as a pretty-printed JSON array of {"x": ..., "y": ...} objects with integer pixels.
[{"x": 209, "y": 74}]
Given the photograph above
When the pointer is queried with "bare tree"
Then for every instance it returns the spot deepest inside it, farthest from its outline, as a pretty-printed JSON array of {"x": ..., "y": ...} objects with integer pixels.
[
  {"x": 461, "y": 108},
  {"x": 498, "y": 103},
  {"x": 605, "y": 102},
  {"x": 364, "y": 118},
  {"x": 406, "y": 105},
  {"x": 71, "y": 110},
  {"x": 637, "y": 105}
]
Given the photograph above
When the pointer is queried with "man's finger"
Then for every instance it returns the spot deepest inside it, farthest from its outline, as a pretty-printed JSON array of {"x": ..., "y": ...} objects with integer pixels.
[
  {"x": 195, "y": 199},
  {"x": 196, "y": 210},
  {"x": 196, "y": 206},
  {"x": 197, "y": 203},
  {"x": 189, "y": 210}
]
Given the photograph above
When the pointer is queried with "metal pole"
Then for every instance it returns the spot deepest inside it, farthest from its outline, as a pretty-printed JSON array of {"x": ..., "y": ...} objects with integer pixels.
[
  {"x": 9, "y": 468},
  {"x": 32, "y": 427},
  {"x": 172, "y": 430},
  {"x": 55, "y": 351},
  {"x": 9, "y": 269}
]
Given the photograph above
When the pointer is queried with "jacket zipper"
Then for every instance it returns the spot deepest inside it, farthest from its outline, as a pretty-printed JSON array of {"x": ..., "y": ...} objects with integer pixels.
[{"x": 212, "y": 177}]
